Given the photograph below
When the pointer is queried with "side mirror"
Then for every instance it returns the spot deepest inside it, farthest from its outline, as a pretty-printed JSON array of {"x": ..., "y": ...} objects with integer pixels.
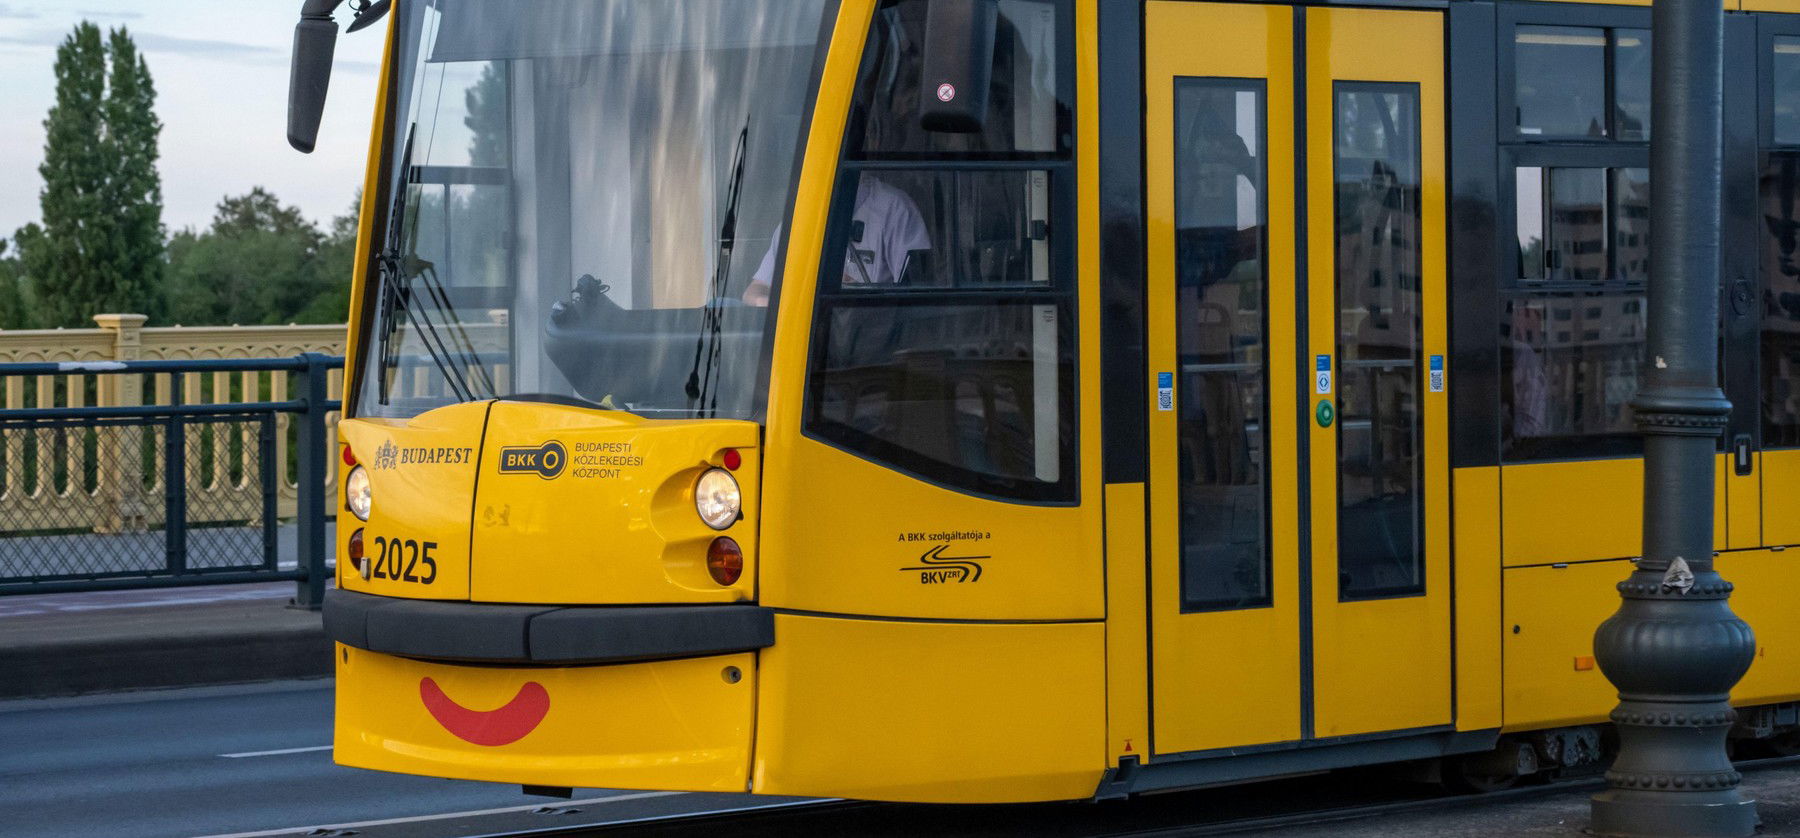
[
  {"x": 958, "y": 65},
  {"x": 315, "y": 45}
]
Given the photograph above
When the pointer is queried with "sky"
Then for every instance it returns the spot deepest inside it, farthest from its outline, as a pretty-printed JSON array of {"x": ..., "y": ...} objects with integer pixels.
[{"x": 221, "y": 73}]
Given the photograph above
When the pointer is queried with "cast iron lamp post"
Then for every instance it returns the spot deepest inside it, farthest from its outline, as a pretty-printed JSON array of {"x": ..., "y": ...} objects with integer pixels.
[{"x": 1674, "y": 649}]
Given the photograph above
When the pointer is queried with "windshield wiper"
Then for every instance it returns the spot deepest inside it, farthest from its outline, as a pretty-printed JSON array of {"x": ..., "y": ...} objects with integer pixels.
[
  {"x": 708, "y": 345},
  {"x": 398, "y": 270}
]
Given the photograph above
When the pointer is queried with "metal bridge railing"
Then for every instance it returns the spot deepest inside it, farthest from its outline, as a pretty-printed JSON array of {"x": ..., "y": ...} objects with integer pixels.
[{"x": 127, "y": 496}]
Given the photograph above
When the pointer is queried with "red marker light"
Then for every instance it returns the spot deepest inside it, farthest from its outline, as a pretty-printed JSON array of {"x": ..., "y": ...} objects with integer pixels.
[
  {"x": 724, "y": 561},
  {"x": 349, "y": 457},
  {"x": 733, "y": 459}
]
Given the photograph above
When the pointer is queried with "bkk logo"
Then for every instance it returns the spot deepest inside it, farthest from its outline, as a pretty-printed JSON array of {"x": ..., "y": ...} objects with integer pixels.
[{"x": 546, "y": 461}]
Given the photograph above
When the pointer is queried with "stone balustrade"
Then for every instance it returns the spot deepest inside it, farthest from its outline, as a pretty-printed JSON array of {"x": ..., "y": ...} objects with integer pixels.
[{"x": 92, "y": 480}]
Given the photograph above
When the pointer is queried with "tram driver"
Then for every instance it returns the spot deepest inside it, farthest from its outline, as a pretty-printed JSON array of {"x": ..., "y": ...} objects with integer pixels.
[{"x": 886, "y": 229}]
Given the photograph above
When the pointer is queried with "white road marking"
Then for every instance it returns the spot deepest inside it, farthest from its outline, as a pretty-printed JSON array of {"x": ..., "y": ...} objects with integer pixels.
[
  {"x": 277, "y": 753},
  {"x": 448, "y": 815}
]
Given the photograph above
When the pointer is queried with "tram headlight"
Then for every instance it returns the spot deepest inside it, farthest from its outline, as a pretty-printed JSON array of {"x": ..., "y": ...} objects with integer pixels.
[
  {"x": 357, "y": 494},
  {"x": 717, "y": 499}
]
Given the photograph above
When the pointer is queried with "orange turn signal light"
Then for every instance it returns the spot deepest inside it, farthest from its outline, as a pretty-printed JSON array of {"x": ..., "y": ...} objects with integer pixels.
[
  {"x": 1584, "y": 663},
  {"x": 724, "y": 561}
]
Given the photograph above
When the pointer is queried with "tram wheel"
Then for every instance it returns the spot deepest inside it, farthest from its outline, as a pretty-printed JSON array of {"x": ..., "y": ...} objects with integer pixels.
[
  {"x": 1495, "y": 770},
  {"x": 1784, "y": 744},
  {"x": 1463, "y": 778}
]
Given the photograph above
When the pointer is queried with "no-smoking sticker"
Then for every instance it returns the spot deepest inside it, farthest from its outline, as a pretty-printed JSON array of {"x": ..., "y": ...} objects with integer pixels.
[{"x": 946, "y": 92}]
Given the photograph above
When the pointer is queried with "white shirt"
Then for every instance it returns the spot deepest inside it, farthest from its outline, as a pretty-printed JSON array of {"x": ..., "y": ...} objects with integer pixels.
[{"x": 890, "y": 226}]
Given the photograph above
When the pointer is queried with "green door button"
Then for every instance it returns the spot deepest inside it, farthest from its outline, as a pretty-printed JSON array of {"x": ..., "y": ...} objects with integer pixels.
[{"x": 1326, "y": 413}]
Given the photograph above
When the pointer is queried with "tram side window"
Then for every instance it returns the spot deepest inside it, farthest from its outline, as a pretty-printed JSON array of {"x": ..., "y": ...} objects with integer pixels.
[
  {"x": 1572, "y": 326},
  {"x": 1780, "y": 190},
  {"x": 1028, "y": 107},
  {"x": 1785, "y": 85},
  {"x": 943, "y": 338},
  {"x": 1561, "y": 78}
]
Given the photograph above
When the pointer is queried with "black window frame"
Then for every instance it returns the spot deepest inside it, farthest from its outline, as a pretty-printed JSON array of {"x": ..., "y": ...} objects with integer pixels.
[
  {"x": 1062, "y": 291},
  {"x": 1517, "y": 150}
]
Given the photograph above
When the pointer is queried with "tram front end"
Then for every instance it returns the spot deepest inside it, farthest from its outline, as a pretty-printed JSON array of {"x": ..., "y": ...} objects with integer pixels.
[{"x": 702, "y": 356}]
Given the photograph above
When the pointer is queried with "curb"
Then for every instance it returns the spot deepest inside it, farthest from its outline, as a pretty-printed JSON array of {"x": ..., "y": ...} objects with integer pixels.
[{"x": 227, "y": 646}]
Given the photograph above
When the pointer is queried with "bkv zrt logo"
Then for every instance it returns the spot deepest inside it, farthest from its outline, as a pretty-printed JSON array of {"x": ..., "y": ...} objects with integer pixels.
[
  {"x": 387, "y": 456},
  {"x": 936, "y": 568}
]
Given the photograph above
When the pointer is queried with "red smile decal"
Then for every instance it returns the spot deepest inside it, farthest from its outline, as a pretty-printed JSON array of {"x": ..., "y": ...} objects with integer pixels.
[{"x": 501, "y": 726}]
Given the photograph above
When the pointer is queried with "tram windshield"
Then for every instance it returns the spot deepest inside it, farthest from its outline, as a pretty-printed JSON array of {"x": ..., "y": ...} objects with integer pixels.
[{"x": 586, "y": 203}]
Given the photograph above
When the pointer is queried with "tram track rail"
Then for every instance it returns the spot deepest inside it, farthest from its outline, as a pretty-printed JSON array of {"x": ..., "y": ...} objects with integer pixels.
[{"x": 1172, "y": 815}]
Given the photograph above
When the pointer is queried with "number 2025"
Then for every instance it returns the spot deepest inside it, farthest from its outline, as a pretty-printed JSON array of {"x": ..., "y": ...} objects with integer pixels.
[{"x": 400, "y": 560}]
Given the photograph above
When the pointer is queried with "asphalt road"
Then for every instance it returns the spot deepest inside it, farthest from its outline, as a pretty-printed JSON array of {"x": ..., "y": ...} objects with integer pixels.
[{"x": 251, "y": 759}]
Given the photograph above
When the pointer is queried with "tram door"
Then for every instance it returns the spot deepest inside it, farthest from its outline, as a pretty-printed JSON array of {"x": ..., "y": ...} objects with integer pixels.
[{"x": 1299, "y": 464}]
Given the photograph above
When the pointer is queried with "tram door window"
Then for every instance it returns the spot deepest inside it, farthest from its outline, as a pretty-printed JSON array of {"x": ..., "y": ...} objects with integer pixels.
[
  {"x": 1380, "y": 424},
  {"x": 1221, "y": 279}
]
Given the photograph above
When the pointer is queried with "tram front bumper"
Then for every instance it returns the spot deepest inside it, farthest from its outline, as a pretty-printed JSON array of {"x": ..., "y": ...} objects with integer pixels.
[{"x": 639, "y": 697}]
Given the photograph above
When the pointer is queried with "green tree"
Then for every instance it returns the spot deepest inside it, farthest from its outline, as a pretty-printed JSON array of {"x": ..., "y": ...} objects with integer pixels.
[
  {"x": 99, "y": 246},
  {"x": 256, "y": 264},
  {"x": 336, "y": 265},
  {"x": 13, "y": 305},
  {"x": 135, "y": 191}
]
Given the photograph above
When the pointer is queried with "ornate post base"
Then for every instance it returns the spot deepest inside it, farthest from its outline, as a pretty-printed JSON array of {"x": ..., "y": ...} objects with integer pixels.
[{"x": 1674, "y": 653}]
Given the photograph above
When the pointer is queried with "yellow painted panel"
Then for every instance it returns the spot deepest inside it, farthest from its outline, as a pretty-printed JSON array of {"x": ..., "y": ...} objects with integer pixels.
[
  {"x": 1551, "y": 615},
  {"x": 616, "y": 523},
  {"x": 806, "y": 235},
  {"x": 1765, "y": 582},
  {"x": 1583, "y": 510},
  {"x": 1780, "y": 486},
  {"x": 366, "y": 213},
  {"x": 1127, "y": 645},
  {"x": 681, "y": 725},
  {"x": 421, "y": 476},
  {"x": 1038, "y": 562},
  {"x": 1255, "y": 651},
  {"x": 1379, "y": 664},
  {"x": 924, "y": 711},
  {"x": 1572, "y": 511},
  {"x": 1478, "y": 630},
  {"x": 1743, "y": 502},
  {"x": 1788, "y": 6}
]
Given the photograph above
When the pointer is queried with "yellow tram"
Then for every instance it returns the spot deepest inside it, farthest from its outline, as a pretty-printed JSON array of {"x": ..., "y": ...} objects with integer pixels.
[{"x": 1002, "y": 400}]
